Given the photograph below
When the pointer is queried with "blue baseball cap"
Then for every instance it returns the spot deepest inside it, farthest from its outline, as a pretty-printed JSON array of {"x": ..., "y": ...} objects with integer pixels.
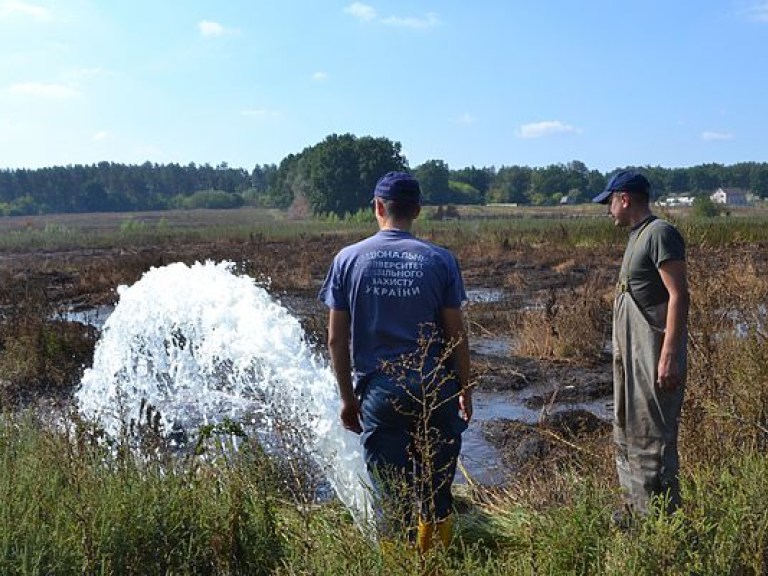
[
  {"x": 398, "y": 186},
  {"x": 624, "y": 181}
]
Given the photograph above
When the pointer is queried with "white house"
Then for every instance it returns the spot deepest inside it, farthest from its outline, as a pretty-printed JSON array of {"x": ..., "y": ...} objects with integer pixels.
[
  {"x": 676, "y": 200},
  {"x": 731, "y": 196}
]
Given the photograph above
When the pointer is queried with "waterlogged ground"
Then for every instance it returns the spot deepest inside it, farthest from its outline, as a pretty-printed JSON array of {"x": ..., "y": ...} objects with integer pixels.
[{"x": 529, "y": 407}]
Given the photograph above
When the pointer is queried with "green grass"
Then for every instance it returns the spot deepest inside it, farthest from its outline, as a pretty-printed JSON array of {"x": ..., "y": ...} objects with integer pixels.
[
  {"x": 73, "y": 506},
  {"x": 570, "y": 226},
  {"x": 69, "y": 505}
]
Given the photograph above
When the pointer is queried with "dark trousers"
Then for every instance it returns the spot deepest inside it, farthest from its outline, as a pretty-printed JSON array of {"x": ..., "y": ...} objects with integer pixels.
[{"x": 411, "y": 439}]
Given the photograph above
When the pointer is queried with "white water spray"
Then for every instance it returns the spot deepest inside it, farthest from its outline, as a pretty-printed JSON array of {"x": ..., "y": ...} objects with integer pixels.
[{"x": 201, "y": 344}]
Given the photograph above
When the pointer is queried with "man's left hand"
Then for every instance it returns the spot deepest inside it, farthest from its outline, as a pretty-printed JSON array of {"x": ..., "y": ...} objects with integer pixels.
[{"x": 465, "y": 404}]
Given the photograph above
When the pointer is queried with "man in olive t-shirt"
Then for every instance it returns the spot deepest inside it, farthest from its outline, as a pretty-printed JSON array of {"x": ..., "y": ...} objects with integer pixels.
[{"x": 650, "y": 316}]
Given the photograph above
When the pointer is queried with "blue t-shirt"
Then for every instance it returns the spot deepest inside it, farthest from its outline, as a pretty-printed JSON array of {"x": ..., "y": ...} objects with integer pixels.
[{"x": 394, "y": 286}]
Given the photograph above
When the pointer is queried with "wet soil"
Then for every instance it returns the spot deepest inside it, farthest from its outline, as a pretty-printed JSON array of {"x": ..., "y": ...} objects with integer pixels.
[{"x": 513, "y": 279}]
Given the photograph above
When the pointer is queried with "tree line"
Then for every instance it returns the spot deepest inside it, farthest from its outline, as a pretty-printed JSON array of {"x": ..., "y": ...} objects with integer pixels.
[{"x": 335, "y": 176}]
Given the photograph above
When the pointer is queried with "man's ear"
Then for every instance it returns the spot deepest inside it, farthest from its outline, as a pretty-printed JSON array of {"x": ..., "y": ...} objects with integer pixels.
[{"x": 626, "y": 199}]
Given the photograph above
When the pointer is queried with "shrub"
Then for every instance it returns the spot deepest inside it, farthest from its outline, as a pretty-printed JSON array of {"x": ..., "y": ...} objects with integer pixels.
[{"x": 703, "y": 207}]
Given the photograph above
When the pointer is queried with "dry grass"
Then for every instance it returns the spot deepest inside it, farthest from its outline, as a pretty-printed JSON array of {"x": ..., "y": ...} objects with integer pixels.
[
  {"x": 570, "y": 324},
  {"x": 727, "y": 399}
]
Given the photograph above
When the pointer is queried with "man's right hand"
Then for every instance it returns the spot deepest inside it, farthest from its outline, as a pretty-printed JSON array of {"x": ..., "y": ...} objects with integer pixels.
[{"x": 350, "y": 415}]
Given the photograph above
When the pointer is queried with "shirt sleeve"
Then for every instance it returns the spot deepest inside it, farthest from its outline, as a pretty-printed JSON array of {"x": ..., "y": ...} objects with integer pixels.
[
  {"x": 455, "y": 294},
  {"x": 332, "y": 292},
  {"x": 666, "y": 244}
]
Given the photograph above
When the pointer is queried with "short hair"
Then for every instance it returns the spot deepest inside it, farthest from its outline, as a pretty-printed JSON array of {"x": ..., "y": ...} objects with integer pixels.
[
  {"x": 400, "y": 210},
  {"x": 640, "y": 198}
]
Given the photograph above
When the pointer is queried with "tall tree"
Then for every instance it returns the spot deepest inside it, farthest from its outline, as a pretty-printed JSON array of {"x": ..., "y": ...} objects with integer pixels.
[
  {"x": 512, "y": 184},
  {"x": 706, "y": 177},
  {"x": 338, "y": 174},
  {"x": 434, "y": 177},
  {"x": 376, "y": 157},
  {"x": 758, "y": 180},
  {"x": 479, "y": 178},
  {"x": 334, "y": 175},
  {"x": 678, "y": 181}
]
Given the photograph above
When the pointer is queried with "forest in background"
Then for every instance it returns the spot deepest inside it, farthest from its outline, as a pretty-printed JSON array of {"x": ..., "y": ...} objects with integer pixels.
[{"x": 335, "y": 176}]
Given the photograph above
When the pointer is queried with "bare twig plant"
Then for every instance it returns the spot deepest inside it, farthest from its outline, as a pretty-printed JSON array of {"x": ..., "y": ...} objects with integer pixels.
[{"x": 424, "y": 376}]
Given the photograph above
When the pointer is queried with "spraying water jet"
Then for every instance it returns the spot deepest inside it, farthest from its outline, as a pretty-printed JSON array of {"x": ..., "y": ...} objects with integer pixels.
[{"x": 201, "y": 345}]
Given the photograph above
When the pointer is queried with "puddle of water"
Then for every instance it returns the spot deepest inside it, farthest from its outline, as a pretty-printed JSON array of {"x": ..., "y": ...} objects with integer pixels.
[
  {"x": 744, "y": 327},
  {"x": 95, "y": 317},
  {"x": 501, "y": 406},
  {"x": 481, "y": 459},
  {"x": 485, "y": 295},
  {"x": 491, "y": 346}
]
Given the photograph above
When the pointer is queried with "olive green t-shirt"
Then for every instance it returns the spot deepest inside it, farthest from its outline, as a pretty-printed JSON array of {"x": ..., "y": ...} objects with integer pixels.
[{"x": 651, "y": 243}]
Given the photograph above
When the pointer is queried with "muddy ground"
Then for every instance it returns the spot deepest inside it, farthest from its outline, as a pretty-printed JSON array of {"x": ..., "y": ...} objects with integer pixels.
[{"x": 507, "y": 282}]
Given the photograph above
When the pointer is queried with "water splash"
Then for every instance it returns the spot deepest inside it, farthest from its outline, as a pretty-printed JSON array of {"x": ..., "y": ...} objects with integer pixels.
[{"x": 202, "y": 344}]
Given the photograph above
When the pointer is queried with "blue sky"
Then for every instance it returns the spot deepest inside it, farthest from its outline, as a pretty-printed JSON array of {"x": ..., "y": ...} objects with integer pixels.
[{"x": 485, "y": 83}]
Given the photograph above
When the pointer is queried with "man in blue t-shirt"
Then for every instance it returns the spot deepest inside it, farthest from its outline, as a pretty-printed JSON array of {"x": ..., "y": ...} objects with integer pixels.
[{"x": 400, "y": 354}]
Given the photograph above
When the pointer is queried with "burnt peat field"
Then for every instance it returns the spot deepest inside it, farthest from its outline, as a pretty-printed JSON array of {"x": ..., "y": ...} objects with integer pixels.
[{"x": 540, "y": 285}]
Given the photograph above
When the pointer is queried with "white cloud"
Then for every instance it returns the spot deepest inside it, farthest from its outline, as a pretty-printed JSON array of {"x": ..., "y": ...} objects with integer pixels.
[
  {"x": 210, "y": 29},
  {"x": 711, "y": 136},
  {"x": 366, "y": 13},
  {"x": 757, "y": 11},
  {"x": 10, "y": 8},
  {"x": 465, "y": 119},
  {"x": 41, "y": 90},
  {"x": 546, "y": 128},
  {"x": 319, "y": 76},
  {"x": 100, "y": 136},
  {"x": 361, "y": 11},
  {"x": 429, "y": 20}
]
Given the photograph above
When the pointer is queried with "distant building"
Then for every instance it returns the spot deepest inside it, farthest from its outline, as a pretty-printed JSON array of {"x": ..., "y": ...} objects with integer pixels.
[
  {"x": 676, "y": 200},
  {"x": 730, "y": 196}
]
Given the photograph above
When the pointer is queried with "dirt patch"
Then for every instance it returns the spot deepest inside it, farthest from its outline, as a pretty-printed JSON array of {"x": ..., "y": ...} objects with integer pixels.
[
  {"x": 573, "y": 384},
  {"x": 525, "y": 448}
]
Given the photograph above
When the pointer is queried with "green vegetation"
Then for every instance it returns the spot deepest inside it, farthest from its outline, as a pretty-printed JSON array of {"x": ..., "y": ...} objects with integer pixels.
[
  {"x": 500, "y": 225},
  {"x": 72, "y": 506},
  {"x": 703, "y": 207},
  {"x": 336, "y": 176},
  {"x": 215, "y": 199}
]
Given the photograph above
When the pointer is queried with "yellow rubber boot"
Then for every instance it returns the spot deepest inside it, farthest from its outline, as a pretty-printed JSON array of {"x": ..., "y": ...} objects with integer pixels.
[
  {"x": 445, "y": 531},
  {"x": 425, "y": 537}
]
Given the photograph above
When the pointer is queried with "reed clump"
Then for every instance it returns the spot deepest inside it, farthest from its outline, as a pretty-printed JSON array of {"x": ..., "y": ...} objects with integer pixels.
[
  {"x": 39, "y": 351},
  {"x": 727, "y": 405},
  {"x": 74, "y": 505},
  {"x": 569, "y": 324}
]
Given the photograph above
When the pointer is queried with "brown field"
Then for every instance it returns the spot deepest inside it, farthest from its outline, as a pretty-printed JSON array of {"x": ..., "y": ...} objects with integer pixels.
[{"x": 548, "y": 328}]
